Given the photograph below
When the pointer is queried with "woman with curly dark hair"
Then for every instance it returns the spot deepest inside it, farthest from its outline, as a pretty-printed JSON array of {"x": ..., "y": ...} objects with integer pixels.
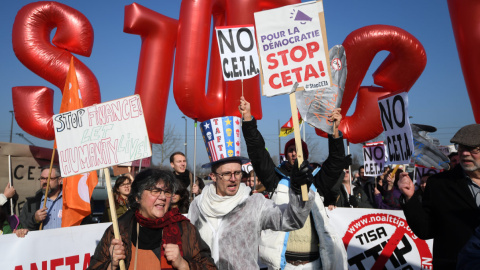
[{"x": 153, "y": 235}]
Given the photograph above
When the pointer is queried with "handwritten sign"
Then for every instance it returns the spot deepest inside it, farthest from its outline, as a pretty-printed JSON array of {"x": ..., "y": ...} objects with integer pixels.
[
  {"x": 238, "y": 52},
  {"x": 394, "y": 115},
  {"x": 374, "y": 159},
  {"x": 316, "y": 105},
  {"x": 291, "y": 48},
  {"x": 101, "y": 135}
]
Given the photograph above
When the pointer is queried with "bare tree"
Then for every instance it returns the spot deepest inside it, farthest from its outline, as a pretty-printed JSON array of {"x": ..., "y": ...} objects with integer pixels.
[{"x": 171, "y": 139}]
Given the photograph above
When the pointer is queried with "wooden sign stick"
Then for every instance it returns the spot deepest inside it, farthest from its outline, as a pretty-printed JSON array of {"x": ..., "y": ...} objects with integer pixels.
[
  {"x": 113, "y": 213},
  {"x": 298, "y": 139},
  {"x": 48, "y": 184}
]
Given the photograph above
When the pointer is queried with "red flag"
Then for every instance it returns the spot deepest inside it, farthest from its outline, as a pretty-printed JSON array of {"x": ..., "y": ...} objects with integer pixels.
[
  {"x": 287, "y": 128},
  {"x": 77, "y": 189}
]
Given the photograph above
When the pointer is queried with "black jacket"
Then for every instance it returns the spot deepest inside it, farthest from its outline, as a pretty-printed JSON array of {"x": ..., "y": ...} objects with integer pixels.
[
  {"x": 358, "y": 200},
  {"x": 265, "y": 168},
  {"x": 32, "y": 204},
  {"x": 447, "y": 213},
  {"x": 27, "y": 215}
]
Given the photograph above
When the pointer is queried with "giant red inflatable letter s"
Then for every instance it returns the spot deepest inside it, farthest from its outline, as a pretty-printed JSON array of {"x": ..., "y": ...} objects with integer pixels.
[{"x": 33, "y": 105}]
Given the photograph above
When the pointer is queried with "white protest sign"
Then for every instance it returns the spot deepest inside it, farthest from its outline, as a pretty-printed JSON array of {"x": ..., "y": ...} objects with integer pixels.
[
  {"x": 238, "y": 52},
  {"x": 291, "y": 47},
  {"x": 316, "y": 105},
  {"x": 380, "y": 239},
  {"x": 394, "y": 115},
  {"x": 101, "y": 135},
  {"x": 374, "y": 159},
  {"x": 66, "y": 248},
  {"x": 421, "y": 171}
]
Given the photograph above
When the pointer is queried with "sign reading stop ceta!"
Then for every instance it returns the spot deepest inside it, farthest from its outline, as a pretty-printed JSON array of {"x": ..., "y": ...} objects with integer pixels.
[
  {"x": 291, "y": 48},
  {"x": 380, "y": 239}
]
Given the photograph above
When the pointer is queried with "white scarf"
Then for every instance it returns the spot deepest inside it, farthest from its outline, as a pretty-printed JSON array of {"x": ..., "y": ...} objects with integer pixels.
[{"x": 214, "y": 207}]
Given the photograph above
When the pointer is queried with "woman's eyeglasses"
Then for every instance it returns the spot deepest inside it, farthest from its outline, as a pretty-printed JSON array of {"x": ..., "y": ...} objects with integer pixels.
[{"x": 157, "y": 191}]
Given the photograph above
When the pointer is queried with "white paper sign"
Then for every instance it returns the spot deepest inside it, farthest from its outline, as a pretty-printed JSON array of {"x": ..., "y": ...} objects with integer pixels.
[
  {"x": 238, "y": 52},
  {"x": 101, "y": 135},
  {"x": 394, "y": 115},
  {"x": 290, "y": 44},
  {"x": 374, "y": 159},
  {"x": 380, "y": 239},
  {"x": 61, "y": 249}
]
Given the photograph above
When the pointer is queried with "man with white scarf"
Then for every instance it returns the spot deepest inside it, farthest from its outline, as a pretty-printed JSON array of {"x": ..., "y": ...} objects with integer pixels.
[{"x": 230, "y": 221}]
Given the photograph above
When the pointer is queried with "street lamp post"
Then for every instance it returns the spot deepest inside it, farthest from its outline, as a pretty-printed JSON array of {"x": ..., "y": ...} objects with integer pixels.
[{"x": 185, "y": 135}]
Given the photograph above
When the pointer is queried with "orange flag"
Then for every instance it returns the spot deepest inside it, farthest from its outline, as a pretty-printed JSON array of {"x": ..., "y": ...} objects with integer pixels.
[
  {"x": 77, "y": 189},
  {"x": 287, "y": 128}
]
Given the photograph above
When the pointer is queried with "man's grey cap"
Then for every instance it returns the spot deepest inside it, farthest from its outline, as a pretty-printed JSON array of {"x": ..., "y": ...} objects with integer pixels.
[{"x": 468, "y": 136}]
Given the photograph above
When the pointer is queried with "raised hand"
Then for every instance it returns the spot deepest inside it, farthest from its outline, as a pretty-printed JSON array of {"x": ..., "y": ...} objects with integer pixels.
[{"x": 244, "y": 109}]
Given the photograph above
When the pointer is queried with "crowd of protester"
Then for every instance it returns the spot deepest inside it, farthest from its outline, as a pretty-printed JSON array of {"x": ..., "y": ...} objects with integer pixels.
[{"x": 242, "y": 203}]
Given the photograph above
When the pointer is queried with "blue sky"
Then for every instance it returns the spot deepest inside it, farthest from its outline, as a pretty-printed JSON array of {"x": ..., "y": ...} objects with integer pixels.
[{"x": 438, "y": 98}]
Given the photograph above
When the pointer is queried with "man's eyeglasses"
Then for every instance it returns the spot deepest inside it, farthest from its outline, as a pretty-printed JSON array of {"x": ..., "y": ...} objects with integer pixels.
[
  {"x": 157, "y": 191},
  {"x": 228, "y": 175},
  {"x": 472, "y": 150},
  {"x": 46, "y": 178}
]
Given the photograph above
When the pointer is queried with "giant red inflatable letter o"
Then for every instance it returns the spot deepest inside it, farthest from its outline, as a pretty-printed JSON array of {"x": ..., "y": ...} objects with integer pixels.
[
  {"x": 33, "y": 24},
  {"x": 398, "y": 72}
]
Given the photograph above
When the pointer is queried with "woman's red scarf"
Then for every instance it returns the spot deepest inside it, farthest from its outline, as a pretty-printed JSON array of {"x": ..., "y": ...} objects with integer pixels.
[{"x": 169, "y": 224}]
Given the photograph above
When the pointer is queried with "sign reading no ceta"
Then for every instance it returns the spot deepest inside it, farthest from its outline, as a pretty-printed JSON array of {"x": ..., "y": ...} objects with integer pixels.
[
  {"x": 380, "y": 239},
  {"x": 291, "y": 48},
  {"x": 101, "y": 135},
  {"x": 394, "y": 115},
  {"x": 421, "y": 171},
  {"x": 238, "y": 52},
  {"x": 374, "y": 158}
]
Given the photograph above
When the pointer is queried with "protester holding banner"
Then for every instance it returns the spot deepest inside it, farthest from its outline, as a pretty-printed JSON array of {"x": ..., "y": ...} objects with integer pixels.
[
  {"x": 314, "y": 253},
  {"x": 51, "y": 216},
  {"x": 450, "y": 208},
  {"x": 121, "y": 190},
  {"x": 227, "y": 217},
  {"x": 153, "y": 235},
  {"x": 389, "y": 197}
]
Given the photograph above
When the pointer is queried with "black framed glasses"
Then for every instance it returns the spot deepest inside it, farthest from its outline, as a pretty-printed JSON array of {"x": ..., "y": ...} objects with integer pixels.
[
  {"x": 228, "y": 175},
  {"x": 157, "y": 191},
  {"x": 472, "y": 150},
  {"x": 46, "y": 178}
]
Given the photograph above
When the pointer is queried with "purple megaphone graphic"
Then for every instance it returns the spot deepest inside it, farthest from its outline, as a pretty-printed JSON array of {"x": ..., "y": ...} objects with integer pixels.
[{"x": 302, "y": 17}]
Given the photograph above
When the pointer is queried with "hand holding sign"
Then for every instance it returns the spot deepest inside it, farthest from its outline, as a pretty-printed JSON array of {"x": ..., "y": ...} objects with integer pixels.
[
  {"x": 244, "y": 109},
  {"x": 335, "y": 118},
  {"x": 300, "y": 176}
]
